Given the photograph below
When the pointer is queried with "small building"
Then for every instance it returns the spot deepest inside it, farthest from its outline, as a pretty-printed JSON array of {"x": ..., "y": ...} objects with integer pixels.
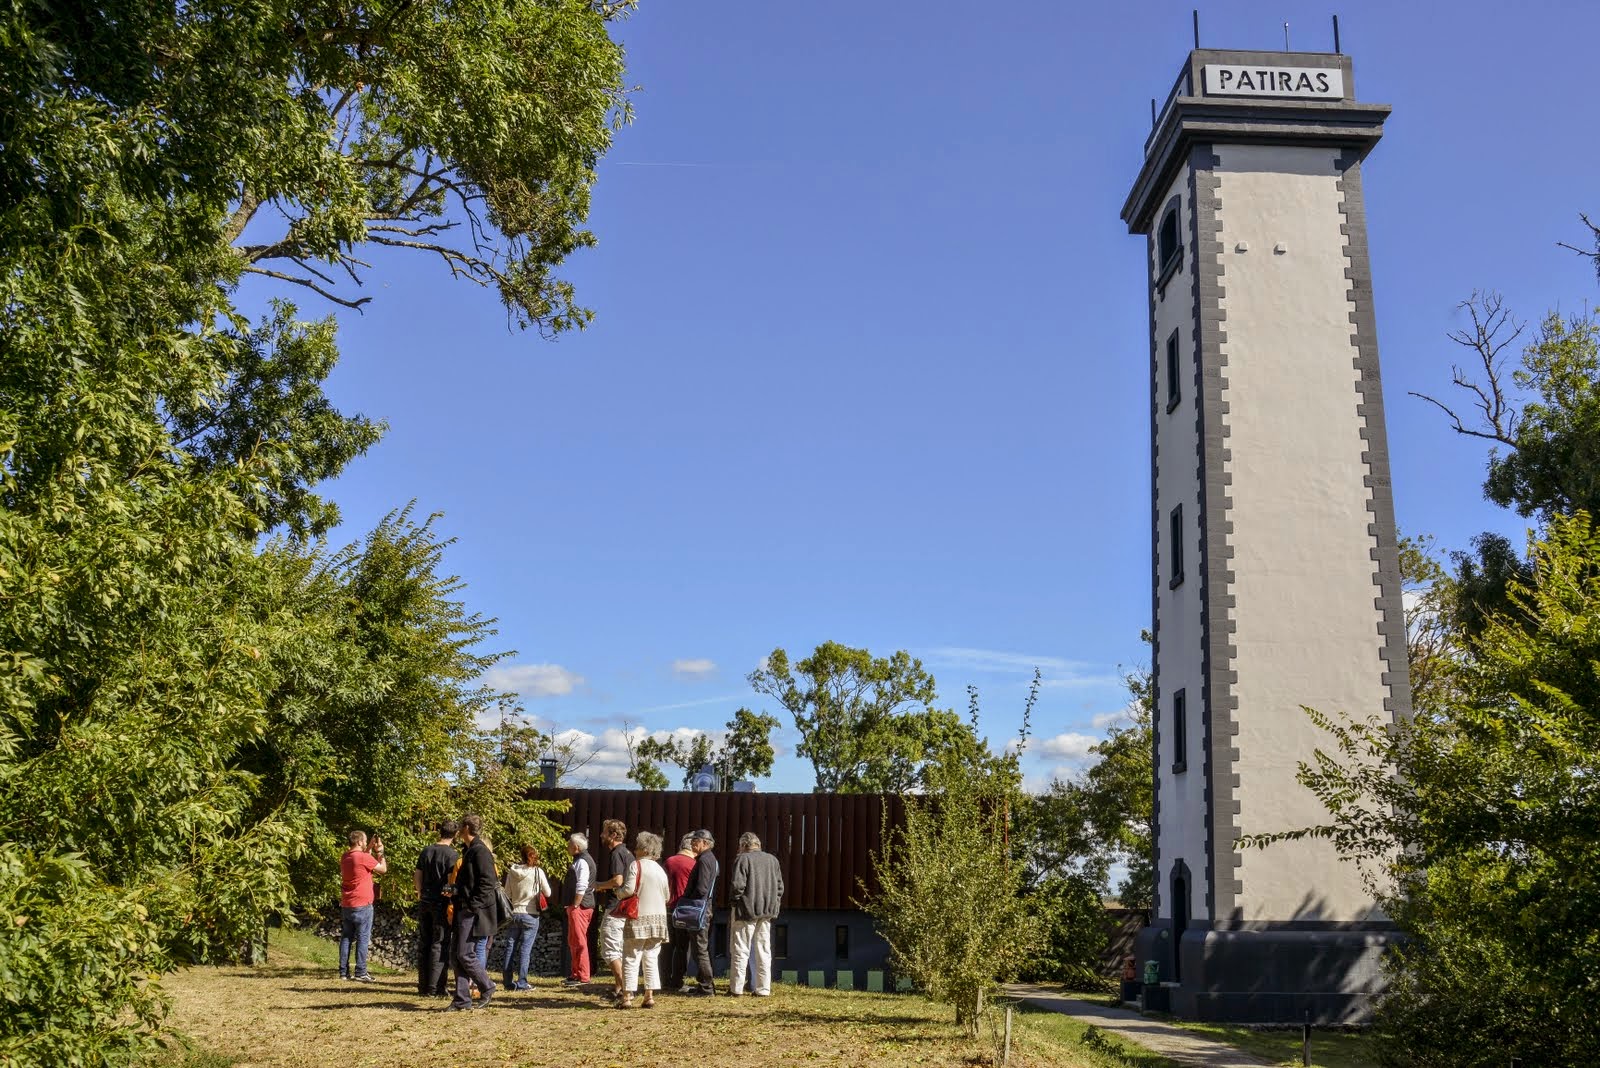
[{"x": 823, "y": 843}]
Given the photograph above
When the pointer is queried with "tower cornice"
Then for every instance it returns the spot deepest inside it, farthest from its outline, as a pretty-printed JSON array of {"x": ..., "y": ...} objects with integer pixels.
[{"x": 1198, "y": 113}]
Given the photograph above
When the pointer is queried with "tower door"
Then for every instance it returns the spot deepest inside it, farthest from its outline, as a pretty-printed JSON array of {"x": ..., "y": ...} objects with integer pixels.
[{"x": 1180, "y": 916}]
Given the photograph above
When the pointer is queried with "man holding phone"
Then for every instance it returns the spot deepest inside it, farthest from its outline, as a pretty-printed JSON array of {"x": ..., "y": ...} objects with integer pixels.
[{"x": 356, "y": 869}]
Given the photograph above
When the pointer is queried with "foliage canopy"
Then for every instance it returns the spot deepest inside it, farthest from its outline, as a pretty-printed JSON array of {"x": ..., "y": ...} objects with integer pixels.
[{"x": 189, "y": 714}]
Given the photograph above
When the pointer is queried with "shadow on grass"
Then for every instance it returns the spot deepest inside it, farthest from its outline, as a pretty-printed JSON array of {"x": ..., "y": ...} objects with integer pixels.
[
  {"x": 789, "y": 1016},
  {"x": 346, "y": 1006}
]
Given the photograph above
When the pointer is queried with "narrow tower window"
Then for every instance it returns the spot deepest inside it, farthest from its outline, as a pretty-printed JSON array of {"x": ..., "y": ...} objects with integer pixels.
[
  {"x": 1174, "y": 390},
  {"x": 1167, "y": 247},
  {"x": 1175, "y": 547},
  {"x": 1180, "y": 731}
]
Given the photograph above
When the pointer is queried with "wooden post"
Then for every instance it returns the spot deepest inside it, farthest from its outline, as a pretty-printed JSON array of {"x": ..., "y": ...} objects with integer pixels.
[{"x": 1005, "y": 1051}]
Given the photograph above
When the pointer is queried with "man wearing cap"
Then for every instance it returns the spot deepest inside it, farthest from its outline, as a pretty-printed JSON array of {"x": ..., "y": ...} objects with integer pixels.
[{"x": 702, "y": 887}]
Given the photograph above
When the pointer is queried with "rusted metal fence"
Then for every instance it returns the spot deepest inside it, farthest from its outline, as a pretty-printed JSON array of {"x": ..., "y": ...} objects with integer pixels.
[{"x": 822, "y": 841}]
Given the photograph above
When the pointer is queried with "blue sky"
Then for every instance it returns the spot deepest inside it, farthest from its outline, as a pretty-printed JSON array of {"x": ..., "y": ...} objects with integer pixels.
[{"x": 870, "y": 353}]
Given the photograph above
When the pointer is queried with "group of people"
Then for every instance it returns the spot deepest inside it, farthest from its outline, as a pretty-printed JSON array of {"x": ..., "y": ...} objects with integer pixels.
[{"x": 645, "y": 904}]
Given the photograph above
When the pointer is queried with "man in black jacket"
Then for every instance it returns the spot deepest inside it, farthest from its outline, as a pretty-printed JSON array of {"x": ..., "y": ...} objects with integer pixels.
[
  {"x": 703, "y": 887},
  {"x": 476, "y": 915}
]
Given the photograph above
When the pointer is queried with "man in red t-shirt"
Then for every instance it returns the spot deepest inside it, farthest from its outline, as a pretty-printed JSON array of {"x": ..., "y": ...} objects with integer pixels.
[
  {"x": 679, "y": 866},
  {"x": 356, "y": 869}
]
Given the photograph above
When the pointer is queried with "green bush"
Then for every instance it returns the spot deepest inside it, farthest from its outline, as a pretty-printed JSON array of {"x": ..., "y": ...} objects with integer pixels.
[{"x": 1073, "y": 932}]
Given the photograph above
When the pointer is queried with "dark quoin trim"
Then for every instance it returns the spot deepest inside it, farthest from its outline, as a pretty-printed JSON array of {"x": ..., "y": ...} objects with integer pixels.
[
  {"x": 1369, "y": 387},
  {"x": 1218, "y": 703},
  {"x": 1155, "y": 592}
]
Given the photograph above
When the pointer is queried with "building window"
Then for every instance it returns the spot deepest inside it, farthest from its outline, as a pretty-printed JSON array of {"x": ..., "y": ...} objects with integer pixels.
[
  {"x": 1168, "y": 250},
  {"x": 841, "y": 942},
  {"x": 1174, "y": 389},
  {"x": 1175, "y": 547},
  {"x": 1180, "y": 731},
  {"x": 780, "y": 940}
]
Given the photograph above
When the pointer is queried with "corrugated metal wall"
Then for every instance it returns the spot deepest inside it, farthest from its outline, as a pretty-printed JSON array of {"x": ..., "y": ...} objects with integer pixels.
[{"x": 822, "y": 841}]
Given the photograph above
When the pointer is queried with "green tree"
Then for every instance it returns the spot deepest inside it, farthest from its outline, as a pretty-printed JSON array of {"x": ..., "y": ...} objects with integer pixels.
[
  {"x": 1084, "y": 827},
  {"x": 1542, "y": 417},
  {"x": 745, "y": 752},
  {"x": 950, "y": 900},
  {"x": 1478, "y": 822},
  {"x": 866, "y": 723},
  {"x": 154, "y": 653}
]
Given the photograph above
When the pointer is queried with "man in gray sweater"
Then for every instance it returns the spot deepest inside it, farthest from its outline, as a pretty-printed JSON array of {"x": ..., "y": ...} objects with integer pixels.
[{"x": 755, "y": 893}]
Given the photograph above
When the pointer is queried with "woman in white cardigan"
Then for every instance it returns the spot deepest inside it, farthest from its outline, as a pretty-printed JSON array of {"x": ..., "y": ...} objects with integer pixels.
[
  {"x": 644, "y": 933},
  {"x": 525, "y": 885}
]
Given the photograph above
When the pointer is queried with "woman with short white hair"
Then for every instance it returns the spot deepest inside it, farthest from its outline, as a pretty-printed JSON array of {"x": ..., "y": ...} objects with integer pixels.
[{"x": 647, "y": 928}]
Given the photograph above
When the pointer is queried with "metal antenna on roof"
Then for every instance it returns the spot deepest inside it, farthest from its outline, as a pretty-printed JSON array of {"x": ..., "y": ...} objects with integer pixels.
[
  {"x": 1336, "y": 49},
  {"x": 1197, "y": 27},
  {"x": 1286, "y": 37}
]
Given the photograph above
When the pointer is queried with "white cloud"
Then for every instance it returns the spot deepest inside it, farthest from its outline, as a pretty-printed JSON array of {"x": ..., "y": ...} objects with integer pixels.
[
  {"x": 1068, "y": 746},
  {"x": 1122, "y": 717},
  {"x": 1058, "y": 673},
  {"x": 992, "y": 660},
  {"x": 675, "y": 706},
  {"x": 1074, "y": 681},
  {"x": 696, "y": 668},
  {"x": 607, "y": 752},
  {"x": 533, "y": 680}
]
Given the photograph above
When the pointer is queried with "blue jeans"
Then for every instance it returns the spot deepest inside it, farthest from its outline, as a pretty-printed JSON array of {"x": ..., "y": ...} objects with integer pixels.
[
  {"x": 522, "y": 930},
  {"x": 354, "y": 925}
]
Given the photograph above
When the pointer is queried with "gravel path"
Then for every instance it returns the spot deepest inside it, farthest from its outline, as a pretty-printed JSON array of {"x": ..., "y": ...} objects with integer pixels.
[{"x": 1183, "y": 1047}]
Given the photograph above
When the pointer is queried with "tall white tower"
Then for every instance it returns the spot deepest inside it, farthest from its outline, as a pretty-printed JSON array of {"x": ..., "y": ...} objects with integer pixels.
[{"x": 1276, "y": 575}]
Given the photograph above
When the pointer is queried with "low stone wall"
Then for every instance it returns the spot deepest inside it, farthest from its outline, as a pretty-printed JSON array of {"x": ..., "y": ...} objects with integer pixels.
[{"x": 394, "y": 941}]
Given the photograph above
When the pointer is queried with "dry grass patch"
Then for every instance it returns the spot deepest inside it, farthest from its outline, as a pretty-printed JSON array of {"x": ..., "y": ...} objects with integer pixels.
[{"x": 293, "y": 1013}]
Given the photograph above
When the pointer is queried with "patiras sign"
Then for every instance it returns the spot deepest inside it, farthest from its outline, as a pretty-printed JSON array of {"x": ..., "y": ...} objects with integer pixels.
[{"x": 1316, "y": 83}]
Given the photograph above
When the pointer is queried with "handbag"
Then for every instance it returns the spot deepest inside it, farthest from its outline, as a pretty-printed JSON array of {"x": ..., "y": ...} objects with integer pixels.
[
  {"x": 628, "y": 907},
  {"x": 688, "y": 916},
  {"x": 502, "y": 905},
  {"x": 544, "y": 900}
]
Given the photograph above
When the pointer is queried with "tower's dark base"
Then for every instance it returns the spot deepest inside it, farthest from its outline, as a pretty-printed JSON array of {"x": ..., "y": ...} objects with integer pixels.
[{"x": 1271, "y": 974}]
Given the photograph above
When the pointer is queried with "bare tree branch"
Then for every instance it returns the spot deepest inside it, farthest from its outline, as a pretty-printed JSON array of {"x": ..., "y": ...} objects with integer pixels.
[
  {"x": 1493, "y": 331},
  {"x": 1592, "y": 253},
  {"x": 356, "y": 304}
]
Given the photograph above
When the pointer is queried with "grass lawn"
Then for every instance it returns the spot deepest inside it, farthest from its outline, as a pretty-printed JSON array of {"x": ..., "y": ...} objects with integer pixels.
[
  {"x": 294, "y": 1012},
  {"x": 1329, "y": 1049}
]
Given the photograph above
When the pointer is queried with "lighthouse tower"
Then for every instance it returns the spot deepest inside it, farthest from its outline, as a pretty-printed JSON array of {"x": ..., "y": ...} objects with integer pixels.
[{"x": 1276, "y": 576}]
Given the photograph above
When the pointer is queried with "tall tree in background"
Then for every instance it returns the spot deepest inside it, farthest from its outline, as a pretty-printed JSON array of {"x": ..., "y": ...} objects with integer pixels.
[
  {"x": 1103, "y": 819},
  {"x": 745, "y": 752},
  {"x": 1542, "y": 416},
  {"x": 866, "y": 723}
]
